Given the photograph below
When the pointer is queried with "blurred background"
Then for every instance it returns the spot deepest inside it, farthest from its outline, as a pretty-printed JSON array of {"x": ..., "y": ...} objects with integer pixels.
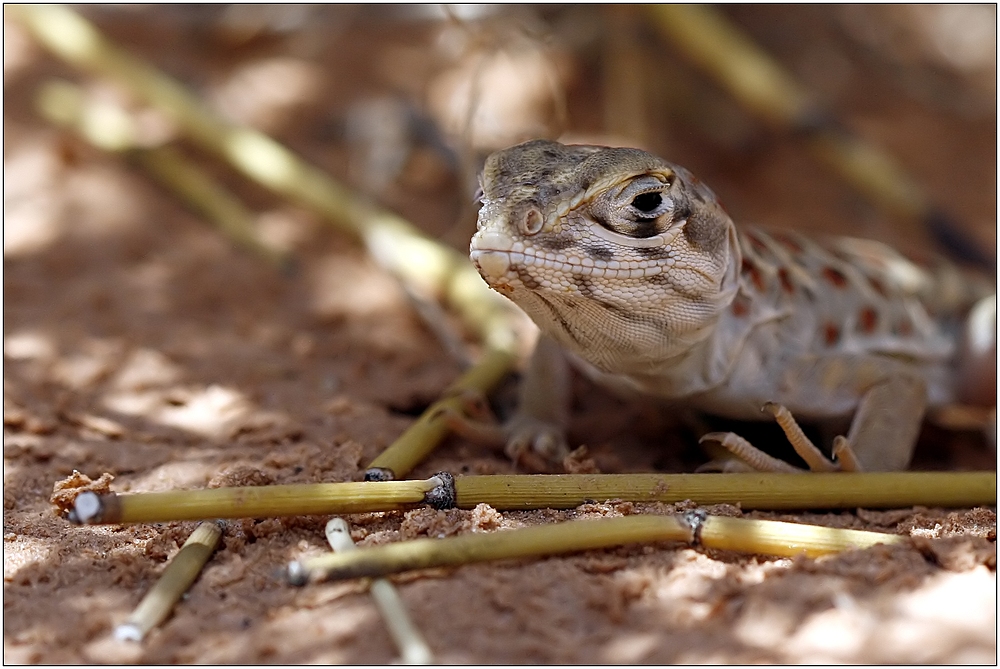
[{"x": 403, "y": 102}]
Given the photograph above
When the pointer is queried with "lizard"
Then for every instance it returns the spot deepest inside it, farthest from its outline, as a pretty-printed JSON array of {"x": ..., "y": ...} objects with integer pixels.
[{"x": 633, "y": 271}]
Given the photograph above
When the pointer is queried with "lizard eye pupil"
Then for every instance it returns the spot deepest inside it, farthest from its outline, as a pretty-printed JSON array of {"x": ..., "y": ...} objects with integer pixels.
[{"x": 647, "y": 202}]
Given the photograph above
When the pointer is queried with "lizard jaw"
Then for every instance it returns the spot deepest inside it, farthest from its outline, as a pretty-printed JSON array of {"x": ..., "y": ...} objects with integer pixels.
[
  {"x": 492, "y": 265},
  {"x": 490, "y": 253}
]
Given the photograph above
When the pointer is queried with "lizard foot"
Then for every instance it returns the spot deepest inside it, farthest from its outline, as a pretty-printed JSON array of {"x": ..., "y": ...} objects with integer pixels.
[
  {"x": 814, "y": 458},
  {"x": 530, "y": 440},
  {"x": 532, "y": 443}
]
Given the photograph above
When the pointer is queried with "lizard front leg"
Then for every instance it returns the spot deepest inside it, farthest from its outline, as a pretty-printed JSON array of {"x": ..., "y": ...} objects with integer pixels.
[
  {"x": 535, "y": 436},
  {"x": 539, "y": 423},
  {"x": 884, "y": 428}
]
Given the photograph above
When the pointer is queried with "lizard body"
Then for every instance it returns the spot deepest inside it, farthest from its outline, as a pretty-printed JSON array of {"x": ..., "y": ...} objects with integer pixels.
[{"x": 631, "y": 264}]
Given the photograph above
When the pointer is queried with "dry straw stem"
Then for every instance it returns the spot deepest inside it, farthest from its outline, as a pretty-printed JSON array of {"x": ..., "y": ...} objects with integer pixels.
[
  {"x": 109, "y": 127},
  {"x": 748, "y": 536},
  {"x": 771, "y": 537},
  {"x": 729, "y": 56},
  {"x": 562, "y": 491},
  {"x": 412, "y": 647},
  {"x": 176, "y": 579},
  {"x": 549, "y": 539},
  {"x": 712, "y": 42},
  {"x": 251, "y": 502},
  {"x": 420, "y": 438},
  {"x": 751, "y": 491},
  {"x": 426, "y": 267}
]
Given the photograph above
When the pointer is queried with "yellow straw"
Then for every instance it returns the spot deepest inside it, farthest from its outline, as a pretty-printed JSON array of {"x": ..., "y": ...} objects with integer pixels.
[{"x": 174, "y": 582}]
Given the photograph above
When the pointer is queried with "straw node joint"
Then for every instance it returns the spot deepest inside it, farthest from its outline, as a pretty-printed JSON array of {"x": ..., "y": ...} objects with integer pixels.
[
  {"x": 695, "y": 520},
  {"x": 442, "y": 496},
  {"x": 379, "y": 474}
]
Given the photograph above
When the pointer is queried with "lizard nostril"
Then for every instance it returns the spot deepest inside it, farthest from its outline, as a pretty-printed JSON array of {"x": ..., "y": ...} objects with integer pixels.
[{"x": 532, "y": 221}]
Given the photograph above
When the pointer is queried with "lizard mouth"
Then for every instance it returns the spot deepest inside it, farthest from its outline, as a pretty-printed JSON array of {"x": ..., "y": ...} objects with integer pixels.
[
  {"x": 492, "y": 264},
  {"x": 491, "y": 240},
  {"x": 490, "y": 251}
]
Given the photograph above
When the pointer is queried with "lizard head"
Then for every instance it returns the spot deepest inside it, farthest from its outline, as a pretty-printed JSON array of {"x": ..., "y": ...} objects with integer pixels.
[{"x": 623, "y": 258}]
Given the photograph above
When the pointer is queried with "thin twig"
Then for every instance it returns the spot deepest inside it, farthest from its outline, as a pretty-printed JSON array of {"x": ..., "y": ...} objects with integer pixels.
[
  {"x": 250, "y": 502},
  {"x": 412, "y": 647},
  {"x": 744, "y": 535},
  {"x": 174, "y": 582},
  {"x": 420, "y": 438},
  {"x": 750, "y": 490},
  {"x": 422, "y": 264}
]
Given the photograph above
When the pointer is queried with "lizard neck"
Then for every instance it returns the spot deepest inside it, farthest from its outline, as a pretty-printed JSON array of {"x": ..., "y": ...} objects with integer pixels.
[{"x": 674, "y": 344}]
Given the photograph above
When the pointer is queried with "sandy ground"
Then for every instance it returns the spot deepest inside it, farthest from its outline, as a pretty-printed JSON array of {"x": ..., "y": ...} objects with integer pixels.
[{"x": 139, "y": 342}]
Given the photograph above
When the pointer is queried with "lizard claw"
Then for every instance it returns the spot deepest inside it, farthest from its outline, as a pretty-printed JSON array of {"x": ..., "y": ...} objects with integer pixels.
[
  {"x": 757, "y": 459},
  {"x": 532, "y": 443},
  {"x": 528, "y": 436},
  {"x": 845, "y": 456}
]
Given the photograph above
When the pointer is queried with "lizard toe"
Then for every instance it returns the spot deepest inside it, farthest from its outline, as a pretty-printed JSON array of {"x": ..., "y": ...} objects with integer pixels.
[{"x": 539, "y": 438}]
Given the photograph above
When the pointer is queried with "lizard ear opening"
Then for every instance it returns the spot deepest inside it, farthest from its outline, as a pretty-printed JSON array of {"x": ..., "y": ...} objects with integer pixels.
[{"x": 531, "y": 222}]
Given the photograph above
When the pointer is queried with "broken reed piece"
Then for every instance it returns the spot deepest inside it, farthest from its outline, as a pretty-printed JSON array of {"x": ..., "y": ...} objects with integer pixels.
[
  {"x": 174, "y": 582},
  {"x": 743, "y": 535},
  {"x": 250, "y": 502},
  {"x": 771, "y": 537},
  {"x": 548, "y": 539},
  {"x": 423, "y": 436},
  {"x": 65, "y": 105},
  {"x": 556, "y": 491},
  {"x": 412, "y": 647}
]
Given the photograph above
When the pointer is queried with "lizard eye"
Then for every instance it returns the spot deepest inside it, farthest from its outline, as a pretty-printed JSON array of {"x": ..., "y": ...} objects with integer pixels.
[
  {"x": 639, "y": 208},
  {"x": 644, "y": 200},
  {"x": 647, "y": 203}
]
